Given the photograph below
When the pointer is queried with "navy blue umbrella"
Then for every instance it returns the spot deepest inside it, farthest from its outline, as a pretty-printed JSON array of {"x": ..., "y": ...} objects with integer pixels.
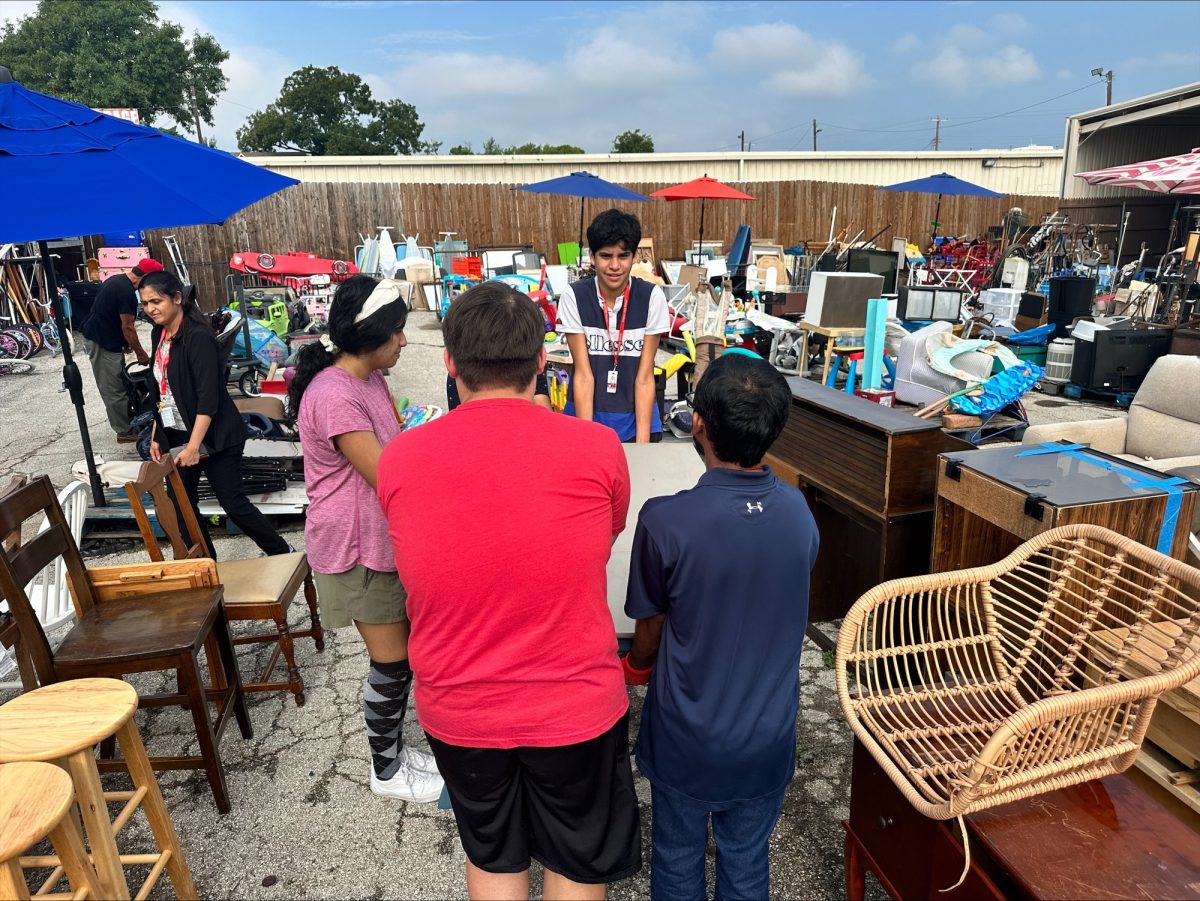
[
  {"x": 942, "y": 184},
  {"x": 69, "y": 170},
  {"x": 582, "y": 185}
]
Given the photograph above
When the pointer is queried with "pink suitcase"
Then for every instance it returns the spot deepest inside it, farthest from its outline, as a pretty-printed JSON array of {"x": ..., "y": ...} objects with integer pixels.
[
  {"x": 120, "y": 257},
  {"x": 109, "y": 273}
]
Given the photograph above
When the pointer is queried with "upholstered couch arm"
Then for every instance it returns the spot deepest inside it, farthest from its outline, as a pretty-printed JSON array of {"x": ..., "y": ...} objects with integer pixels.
[{"x": 1104, "y": 435}]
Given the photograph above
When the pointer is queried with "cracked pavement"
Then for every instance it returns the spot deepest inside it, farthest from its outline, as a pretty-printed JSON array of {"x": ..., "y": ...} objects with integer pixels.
[{"x": 304, "y": 823}]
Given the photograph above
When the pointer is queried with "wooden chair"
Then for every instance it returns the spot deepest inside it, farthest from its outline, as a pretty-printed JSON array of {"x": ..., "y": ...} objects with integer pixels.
[
  {"x": 261, "y": 588},
  {"x": 988, "y": 685},
  {"x": 131, "y": 619}
]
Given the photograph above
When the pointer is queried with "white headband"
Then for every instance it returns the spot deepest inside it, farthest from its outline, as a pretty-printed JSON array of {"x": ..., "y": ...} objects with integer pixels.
[{"x": 387, "y": 291}]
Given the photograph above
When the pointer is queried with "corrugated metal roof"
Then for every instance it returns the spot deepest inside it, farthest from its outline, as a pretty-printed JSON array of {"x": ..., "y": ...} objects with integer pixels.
[{"x": 1032, "y": 171}]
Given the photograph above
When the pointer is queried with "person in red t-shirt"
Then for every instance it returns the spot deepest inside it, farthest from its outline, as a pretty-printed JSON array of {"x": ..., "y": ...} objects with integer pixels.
[{"x": 517, "y": 681}]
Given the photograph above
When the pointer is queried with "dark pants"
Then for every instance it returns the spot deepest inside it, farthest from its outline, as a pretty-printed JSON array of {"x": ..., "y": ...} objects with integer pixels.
[
  {"x": 224, "y": 471},
  {"x": 742, "y": 833}
]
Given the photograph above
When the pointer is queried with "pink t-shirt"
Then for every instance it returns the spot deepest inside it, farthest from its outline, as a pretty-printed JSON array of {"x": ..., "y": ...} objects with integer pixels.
[
  {"x": 344, "y": 526},
  {"x": 502, "y": 515}
]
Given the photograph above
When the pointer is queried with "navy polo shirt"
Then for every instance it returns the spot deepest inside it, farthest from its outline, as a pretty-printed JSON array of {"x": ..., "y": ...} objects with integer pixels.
[
  {"x": 581, "y": 312},
  {"x": 728, "y": 562}
]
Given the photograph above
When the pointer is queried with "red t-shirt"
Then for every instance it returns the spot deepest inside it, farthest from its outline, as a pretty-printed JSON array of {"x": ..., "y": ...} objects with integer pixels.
[{"x": 502, "y": 515}]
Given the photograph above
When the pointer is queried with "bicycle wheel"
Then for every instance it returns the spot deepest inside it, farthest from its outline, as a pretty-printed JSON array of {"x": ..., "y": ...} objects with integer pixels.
[
  {"x": 15, "y": 367},
  {"x": 9, "y": 349},
  {"x": 34, "y": 334},
  {"x": 24, "y": 345},
  {"x": 50, "y": 337}
]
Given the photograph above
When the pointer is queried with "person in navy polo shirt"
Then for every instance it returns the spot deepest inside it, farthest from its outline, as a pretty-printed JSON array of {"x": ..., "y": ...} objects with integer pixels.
[
  {"x": 718, "y": 584},
  {"x": 612, "y": 324}
]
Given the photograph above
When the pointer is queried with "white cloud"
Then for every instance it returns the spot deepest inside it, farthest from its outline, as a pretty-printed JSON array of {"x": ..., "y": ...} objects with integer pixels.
[
  {"x": 16, "y": 9},
  {"x": 906, "y": 43},
  {"x": 790, "y": 61},
  {"x": 1184, "y": 61},
  {"x": 967, "y": 59},
  {"x": 1065, "y": 75},
  {"x": 1009, "y": 23}
]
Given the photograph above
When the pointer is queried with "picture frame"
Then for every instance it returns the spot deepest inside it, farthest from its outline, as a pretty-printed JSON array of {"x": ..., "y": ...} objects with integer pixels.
[
  {"x": 670, "y": 270},
  {"x": 784, "y": 355},
  {"x": 698, "y": 257}
]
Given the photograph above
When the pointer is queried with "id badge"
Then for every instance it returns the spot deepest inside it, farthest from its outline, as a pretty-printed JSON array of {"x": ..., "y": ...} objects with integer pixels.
[
  {"x": 166, "y": 413},
  {"x": 612, "y": 381}
]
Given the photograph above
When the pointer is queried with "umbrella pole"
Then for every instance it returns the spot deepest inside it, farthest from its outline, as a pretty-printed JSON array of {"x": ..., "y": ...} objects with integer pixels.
[
  {"x": 71, "y": 375},
  {"x": 937, "y": 212},
  {"x": 701, "y": 225},
  {"x": 579, "y": 259}
]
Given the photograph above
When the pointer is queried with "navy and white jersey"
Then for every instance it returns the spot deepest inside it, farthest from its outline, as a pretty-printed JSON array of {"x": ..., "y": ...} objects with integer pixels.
[
  {"x": 580, "y": 313},
  {"x": 728, "y": 562}
]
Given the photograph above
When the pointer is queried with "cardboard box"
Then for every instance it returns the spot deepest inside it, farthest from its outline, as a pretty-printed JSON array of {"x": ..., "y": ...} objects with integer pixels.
[{"x": 692, "y": 276}]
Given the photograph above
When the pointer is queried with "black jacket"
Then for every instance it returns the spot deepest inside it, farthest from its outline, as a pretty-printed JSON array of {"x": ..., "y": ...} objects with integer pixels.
[{"x": 196, "y": 377}]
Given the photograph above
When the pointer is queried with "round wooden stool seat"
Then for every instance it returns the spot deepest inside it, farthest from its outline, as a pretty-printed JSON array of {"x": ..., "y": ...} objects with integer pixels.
[
  {"x": 34, "y": 797},
  {"x": 34, "y": 802},
  {"x": 57, "y": 720}
]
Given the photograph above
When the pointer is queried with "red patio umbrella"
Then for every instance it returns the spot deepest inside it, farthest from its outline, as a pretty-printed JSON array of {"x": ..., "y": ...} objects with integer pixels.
[
  {"x": 701, "y": 189},
  {"x": 1166, "y": 175}
]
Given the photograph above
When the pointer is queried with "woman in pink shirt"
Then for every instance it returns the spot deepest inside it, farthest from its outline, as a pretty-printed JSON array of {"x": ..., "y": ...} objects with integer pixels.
[{"x": 346, "y": 415}]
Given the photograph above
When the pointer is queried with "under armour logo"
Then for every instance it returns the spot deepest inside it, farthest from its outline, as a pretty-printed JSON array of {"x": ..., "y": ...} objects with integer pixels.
[{"x": 756, "y": 507}]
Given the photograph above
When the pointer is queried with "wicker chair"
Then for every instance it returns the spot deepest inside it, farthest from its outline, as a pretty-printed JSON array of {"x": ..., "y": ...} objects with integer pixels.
[{"x": 980, "y": 687}]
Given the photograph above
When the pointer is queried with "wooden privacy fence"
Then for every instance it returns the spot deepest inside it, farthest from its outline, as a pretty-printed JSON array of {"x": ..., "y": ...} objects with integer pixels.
[{"x": 328, "y": 219}]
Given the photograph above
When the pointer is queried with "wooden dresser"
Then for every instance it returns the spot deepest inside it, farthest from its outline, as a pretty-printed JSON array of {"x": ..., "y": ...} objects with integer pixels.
[
  {"x": 1106, "y": 839},
  {"x": 869, "y": 473}
]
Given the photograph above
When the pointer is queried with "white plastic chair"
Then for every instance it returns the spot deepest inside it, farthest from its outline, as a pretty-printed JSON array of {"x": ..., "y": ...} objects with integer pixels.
[{"x": 48, "y": 591}]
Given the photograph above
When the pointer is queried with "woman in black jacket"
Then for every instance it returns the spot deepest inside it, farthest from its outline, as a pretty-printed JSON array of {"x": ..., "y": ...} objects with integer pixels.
[{"x": 196, "y": 413}]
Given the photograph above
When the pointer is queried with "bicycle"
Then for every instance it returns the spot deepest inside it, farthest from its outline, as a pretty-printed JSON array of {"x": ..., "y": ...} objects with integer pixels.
[
  {"x": 15, "y": 367},
  {"x": 16, "y": 343}
]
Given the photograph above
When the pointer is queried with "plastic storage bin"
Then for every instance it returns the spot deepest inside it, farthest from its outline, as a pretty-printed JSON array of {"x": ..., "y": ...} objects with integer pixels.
[{"x": 1002, "y": 303}]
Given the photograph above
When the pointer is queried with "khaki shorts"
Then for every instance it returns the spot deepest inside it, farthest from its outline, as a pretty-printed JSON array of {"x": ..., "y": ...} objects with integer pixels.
[{"x": 362, "y": 595}]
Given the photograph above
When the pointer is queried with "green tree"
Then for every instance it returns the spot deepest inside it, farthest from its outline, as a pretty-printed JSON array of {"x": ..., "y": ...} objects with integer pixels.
[
  {"x": 331, "y": 112},
  {"x": 633, "y": 142},
  {"x": 462, "y": 150},
  {"x": 116, "y": 53},
  {"x": 492, "y": 147}
]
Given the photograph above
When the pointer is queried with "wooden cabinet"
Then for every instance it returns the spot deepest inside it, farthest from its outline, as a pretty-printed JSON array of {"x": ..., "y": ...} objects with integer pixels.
[
  {"x": 1106, "y": 839},
  {"x": 869, "y": 473},
  {"x": 991, "y": 500}
]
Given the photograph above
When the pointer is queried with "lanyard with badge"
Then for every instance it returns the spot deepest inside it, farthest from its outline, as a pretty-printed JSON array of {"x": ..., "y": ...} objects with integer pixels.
[
  {"x": 616, "y": 346},
  {"x": 167, "y": 410}
]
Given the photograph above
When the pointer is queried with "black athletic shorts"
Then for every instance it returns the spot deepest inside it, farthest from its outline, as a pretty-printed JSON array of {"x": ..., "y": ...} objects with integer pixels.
[{"x": 571, "y": 808}]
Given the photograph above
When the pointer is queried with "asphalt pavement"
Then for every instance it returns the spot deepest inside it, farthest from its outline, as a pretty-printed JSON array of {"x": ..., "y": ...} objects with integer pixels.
[{"x": 304, "y": 823}]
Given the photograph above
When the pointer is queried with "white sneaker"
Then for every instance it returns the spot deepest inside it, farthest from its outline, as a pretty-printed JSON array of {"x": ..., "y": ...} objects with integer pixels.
[
  {"x": 418, "y": 760},
  {"x": 409, "y": 784}
]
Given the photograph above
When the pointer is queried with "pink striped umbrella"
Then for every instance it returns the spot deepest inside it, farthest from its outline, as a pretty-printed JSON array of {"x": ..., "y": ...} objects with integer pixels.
[{"x": 1167, "y": 175}]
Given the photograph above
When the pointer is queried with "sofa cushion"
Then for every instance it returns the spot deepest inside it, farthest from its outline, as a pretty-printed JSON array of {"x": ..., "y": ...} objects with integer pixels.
[{"x": 1155, "y": 435}]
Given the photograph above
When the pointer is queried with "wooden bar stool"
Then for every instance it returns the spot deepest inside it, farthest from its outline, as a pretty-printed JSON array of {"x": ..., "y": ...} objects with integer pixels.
[
  {"x": 60, "y": 723},
  {"x": 34, "y": 801}
]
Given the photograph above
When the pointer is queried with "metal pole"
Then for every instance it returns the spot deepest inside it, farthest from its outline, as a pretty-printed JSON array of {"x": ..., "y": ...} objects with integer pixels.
[
  {"x": 71, "y": 377},
  {"x": 579, "y": 259}
]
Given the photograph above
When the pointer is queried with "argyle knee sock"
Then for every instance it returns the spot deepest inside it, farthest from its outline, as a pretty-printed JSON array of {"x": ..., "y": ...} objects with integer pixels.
[{"x": 385, "y": 699}]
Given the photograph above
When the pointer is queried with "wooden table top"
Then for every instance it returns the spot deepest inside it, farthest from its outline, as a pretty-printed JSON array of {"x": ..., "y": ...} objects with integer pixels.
[{"x": 1108, "y": 839}]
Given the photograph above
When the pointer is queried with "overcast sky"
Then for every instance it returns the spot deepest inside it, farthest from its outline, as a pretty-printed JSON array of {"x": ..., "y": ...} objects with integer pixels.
[{"x": 694, "y": 75}]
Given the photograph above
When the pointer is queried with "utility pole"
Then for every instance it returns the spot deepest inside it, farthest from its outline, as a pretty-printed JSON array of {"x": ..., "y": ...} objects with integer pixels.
[
  {"x": 816, "y": 131},
  {"x": 742, "y": 138},
  {"x": 937, "y": 132}
]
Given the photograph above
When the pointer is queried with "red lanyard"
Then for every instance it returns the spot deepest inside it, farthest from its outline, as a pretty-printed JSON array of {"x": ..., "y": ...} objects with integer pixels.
[
  {"x": 162, "y": 357},
  {"x": 624, "y": 312}
]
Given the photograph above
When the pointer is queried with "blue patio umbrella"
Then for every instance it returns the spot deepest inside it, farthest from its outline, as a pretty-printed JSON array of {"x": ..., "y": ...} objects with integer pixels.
[
  {"x": 942, "y": 184},
  {"x": 582, "y": 185},
  {"x": 69, "y": 170}
]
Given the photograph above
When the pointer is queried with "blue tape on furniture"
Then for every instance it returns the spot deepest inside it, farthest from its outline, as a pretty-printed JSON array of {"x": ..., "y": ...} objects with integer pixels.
[{"x": 1168, "y": 484}]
